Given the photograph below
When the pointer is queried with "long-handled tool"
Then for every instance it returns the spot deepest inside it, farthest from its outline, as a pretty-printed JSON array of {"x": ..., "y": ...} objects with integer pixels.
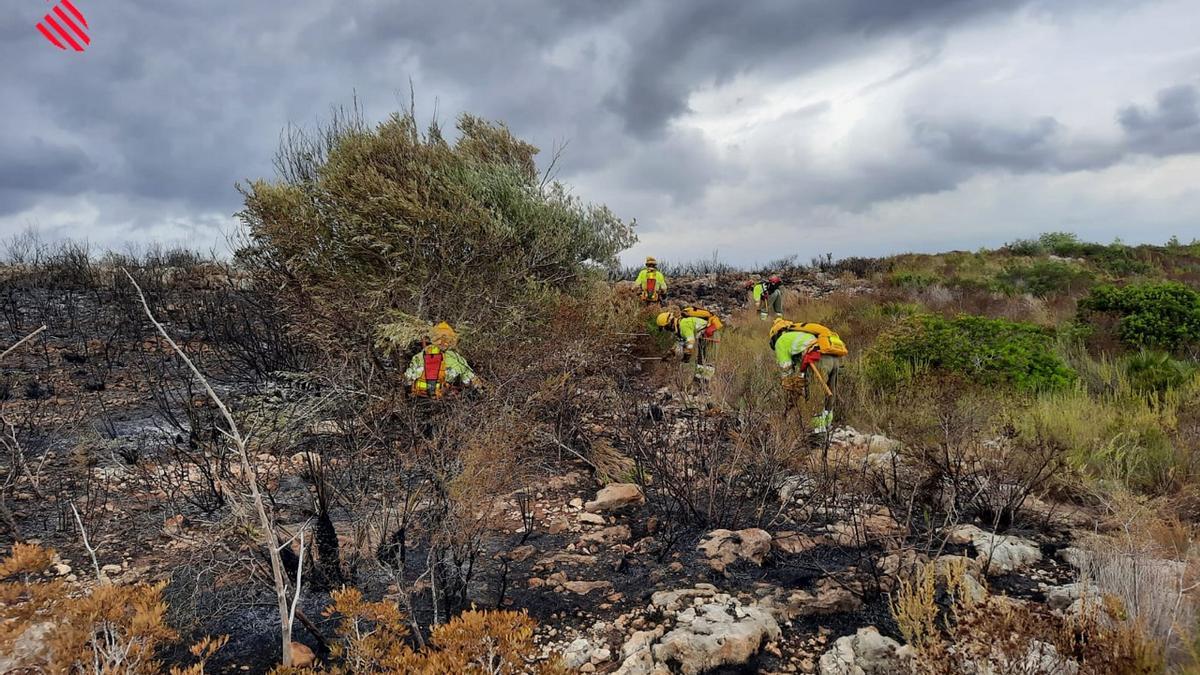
[{"x": 821, "y": 379}]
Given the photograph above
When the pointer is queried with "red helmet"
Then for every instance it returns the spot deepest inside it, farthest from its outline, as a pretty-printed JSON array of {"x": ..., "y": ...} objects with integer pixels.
[{"x": 775, "y": 279}]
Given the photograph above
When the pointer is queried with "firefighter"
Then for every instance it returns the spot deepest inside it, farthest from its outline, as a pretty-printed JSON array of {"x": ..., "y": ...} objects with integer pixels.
[
  {"x": 438, "y": 370},
  {"x": 651, "y": 283},
  {"x": 770, "y": 297},
  {"x": 804, "y": 351},
  {"x": 695, "y": 329}
]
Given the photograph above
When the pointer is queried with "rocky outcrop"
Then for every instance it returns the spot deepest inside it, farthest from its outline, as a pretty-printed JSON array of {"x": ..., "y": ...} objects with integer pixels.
[
  {"x": 864, "y": 653},
  {"x": 704, "y": 630},
  {"x": 725, "y": 547},
  {"x": 828, "y": 597},
  {"x": 999, "y": 553}
]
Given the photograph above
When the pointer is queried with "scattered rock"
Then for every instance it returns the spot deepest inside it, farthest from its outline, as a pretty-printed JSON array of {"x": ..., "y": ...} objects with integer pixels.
[
  {"x": 173, "y": 526},
  {"x": 577, "y": 653},
  {"x": 724, "y": 547},
  {"x": 715, "y": 634},
  {"x": 560, "y": 559},
  {"x": 521, "y": 553},
  {"x": 864, "y": 653},
  {"x": 111, "y": 569},
  {"x": 585, "y": 587},
  {"x": 576, "y": 503},
  {"x": 615, "y": 496},
  {"x": 557, "y": 525},
  {"x": 793, "y": 543},
  {"x": 302, "y": 656},
  {"x": 709, "y": 630},
  {"x": 302, "y": 460},
  {"x": 865, "y": 529},
  {"x": 1073, "y": 556},
  {"x": 591, "y": 518},
  {"x": 1072, "y": 597},
  {"x": 61, "y": 569},
  {"x": 999, "y": 553},
  {"x": 607, "y": 537},
  {"x": 829, "y": 597}
]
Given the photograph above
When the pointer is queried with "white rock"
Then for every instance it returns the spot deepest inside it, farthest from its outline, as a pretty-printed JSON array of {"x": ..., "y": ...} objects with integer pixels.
[
  {"x": 591, "y": 518},
  {"x": 616, "y": 496},
  {"x": 724, "y": 547},
  {"x": 577, "y": 653},
  {"x": 998, "y": 553},
  {"x": 864, "y": 653}
]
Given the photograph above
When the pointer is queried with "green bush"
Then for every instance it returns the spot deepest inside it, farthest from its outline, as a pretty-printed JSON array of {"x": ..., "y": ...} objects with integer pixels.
[
  {"x": 1065, "y": 244},
  {"x": 1162, "y": 315},
  {"x": 990, "y": 350},
  {"x": 388, "y": 225},
  {"x": 1025, "y": 247},
  {"x": 913, "y": 281},
  {"x": 1046, "y": 277},
  {"x": 1120, "y": 260},
  {"x": 1153, "y": 371}
]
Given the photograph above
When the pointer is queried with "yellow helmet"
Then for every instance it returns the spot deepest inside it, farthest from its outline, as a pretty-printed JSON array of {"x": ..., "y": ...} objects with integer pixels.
[
  {"x": 663, "y": 319},
  {"x": 650, "y": 261},
  {"x": 781, "y": 324},
  {"x": 442, "y": 335}
]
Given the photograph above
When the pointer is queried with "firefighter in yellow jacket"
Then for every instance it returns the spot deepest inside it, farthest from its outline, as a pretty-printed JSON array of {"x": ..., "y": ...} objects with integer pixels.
[
  {"x": 437, "y": 369},
  {"x": 809, "y": 351},
  {"x": 695, "y": 329},
  {"x": 652, "y": 285}
]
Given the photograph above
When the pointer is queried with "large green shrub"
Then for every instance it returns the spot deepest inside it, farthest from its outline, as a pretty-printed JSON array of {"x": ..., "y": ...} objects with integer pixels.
[
  {"x": 991, "y": 350},
  {"x": 1046, "y": 277},
  {"x": 1164, "y": 314},
  {"x": 388, "y": 225}
]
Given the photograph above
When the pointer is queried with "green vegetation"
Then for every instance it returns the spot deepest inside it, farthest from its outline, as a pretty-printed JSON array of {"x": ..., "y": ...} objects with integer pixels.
[
  {"x": 1154, "y": 314},
  {"x": 994, "y": 350},
  {"x": 1045, "y": 278},
  {"x": 394, "y": 226}
]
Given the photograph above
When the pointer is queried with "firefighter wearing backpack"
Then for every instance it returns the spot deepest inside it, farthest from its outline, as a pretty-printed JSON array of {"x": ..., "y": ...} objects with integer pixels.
[
  {"x": 437, "y": 369},
  {"x": 770, "y": 296},
  {"x": 696, "y": 328},
  {"x": 809, "y": 355},
  {"x": 651, "y": 283}
]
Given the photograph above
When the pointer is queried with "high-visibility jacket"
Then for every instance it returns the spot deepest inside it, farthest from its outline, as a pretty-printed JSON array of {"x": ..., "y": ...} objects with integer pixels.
[
  {"x": 652, "y": 284},
  {"x": 791, "y": 344},
  {"x": 433, "y": 371},
  {"x": 691, "y": 327}
]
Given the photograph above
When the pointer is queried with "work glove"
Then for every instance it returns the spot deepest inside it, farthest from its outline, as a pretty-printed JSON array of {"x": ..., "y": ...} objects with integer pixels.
[{"x": 793, "y": 383}]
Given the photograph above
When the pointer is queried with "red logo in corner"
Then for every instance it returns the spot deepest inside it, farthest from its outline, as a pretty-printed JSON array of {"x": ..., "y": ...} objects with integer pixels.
[{"x": 65, "y": 26}]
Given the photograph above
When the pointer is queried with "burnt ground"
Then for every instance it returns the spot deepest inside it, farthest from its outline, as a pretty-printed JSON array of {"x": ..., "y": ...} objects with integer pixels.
[{"x": 103, "y": 418}]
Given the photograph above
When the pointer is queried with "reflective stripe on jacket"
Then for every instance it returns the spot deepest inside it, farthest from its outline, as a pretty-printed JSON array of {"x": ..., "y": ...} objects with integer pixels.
[
  {"x": 454, "y": 368},
  {"x": 690, "y": 327},
  {"x": 791, "y": 344}
]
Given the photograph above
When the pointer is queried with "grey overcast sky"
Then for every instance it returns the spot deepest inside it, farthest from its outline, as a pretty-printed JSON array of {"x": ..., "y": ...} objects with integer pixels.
[{"x": 755, "y": 129}]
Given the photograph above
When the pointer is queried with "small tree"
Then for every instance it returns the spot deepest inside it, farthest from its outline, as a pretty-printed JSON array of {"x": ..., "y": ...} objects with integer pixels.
[{"x": 391, "y": 225}]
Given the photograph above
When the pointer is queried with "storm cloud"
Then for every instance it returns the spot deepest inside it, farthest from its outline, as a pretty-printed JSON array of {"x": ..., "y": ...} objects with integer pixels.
[{"x": 715, "y": 124}]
